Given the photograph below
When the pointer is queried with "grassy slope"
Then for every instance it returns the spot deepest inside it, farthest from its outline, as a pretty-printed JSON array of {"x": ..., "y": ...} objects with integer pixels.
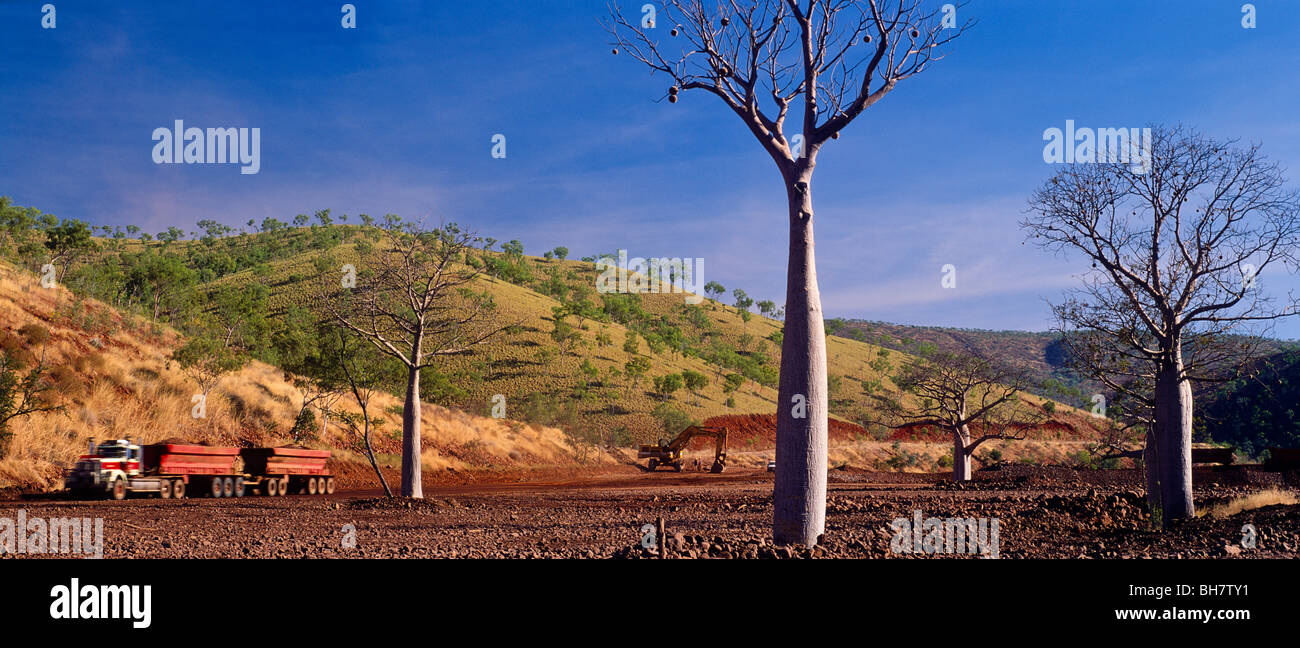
[
  {"x": 111, "y": 374},
  {"x": 510, "y": 366}
]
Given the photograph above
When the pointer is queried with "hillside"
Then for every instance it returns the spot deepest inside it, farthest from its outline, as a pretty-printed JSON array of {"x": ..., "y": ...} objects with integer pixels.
[
  {"x": 1256, "y": 412},
  {"x": 570, "y": 380},
  {"x": 1039, "y": 353},
  {"x": 112, "y": 376},
  {"x": 582, "y": 385}
]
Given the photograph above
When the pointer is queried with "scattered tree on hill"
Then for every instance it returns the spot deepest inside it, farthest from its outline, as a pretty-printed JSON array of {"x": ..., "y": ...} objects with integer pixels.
[
  {"x": 734, "y": 382},
  {"x": 413, "y": 304},
  {"x": 829, "y": 61},
  {"x": 635, "y": 369},
  {"x": 743, "y": 300},
  {"x": 714, "y": 290},
  {"x": 561, "y": 253},
  {"x": 631, "y": 344},
  {"x": 667, "y": 385},
  {"x": 962, "y": 395},
  {"x": 206, "y": 359},
  {"x": 694, "y": 382},
  {"x": 1179, "y": 247},
  {"x": 564, "y": 334},
  {"x": 68, "y": 243},
  {"x": 170, "y": 236},
  {"x": 21, "y": 392}
]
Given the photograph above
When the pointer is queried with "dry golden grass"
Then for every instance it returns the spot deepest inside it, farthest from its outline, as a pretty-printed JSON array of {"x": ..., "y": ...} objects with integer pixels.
[
  {"x": 119, "y": 383},
  {"x": 1260, "y": 499}
]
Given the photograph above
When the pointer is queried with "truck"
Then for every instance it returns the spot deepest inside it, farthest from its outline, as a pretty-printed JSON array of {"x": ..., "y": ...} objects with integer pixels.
[
  {"x": 118, "y": 468},
  {"x": 669, "y": 453}
]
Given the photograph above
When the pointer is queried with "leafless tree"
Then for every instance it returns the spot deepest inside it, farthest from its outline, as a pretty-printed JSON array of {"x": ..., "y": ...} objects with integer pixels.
[
  {"x": 413, "y": 302},
  {"x": 820, "y": 63},
  {"x": 1178, "y": 248},
  {"x": 969, "y": 396},
  {"x": 1130, "y": 416}
]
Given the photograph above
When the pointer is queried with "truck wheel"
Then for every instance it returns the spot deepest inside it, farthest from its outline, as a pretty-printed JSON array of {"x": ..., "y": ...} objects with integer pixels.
[
  {"x": 239, "y": 487},
  {"x": 273, "y": 487},
  {"x": 165, "y": 489},
  {"x": 178, "y": 488},
  {"x": 311, "y": 485},
  {"x": 214, "y": 488},
  {"x": 228, "y": 487},
  {"x": 118, "y": 490},
  {"x": 329, "y": 485}
]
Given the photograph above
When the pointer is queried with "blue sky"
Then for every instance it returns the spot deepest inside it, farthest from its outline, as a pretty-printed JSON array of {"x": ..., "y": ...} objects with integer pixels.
[{"x": 397, "y": 116}]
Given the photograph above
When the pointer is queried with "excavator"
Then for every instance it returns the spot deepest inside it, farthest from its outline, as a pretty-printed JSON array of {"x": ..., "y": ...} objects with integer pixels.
[{"x": 669, "y": 453}]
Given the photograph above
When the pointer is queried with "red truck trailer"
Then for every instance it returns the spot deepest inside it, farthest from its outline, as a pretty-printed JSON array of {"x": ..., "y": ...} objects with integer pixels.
[{"x": 118, "y": 468}]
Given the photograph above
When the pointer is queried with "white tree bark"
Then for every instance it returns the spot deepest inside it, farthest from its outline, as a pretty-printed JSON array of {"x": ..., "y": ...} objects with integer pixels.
[
  {"x": 412, "y": 473},
  {"x": 799, "y": 495},
  {"x": 960, "y": 456}
]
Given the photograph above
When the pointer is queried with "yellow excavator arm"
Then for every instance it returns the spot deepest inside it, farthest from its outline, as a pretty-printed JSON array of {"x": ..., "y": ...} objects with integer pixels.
[{"x": 670, "y": 453}]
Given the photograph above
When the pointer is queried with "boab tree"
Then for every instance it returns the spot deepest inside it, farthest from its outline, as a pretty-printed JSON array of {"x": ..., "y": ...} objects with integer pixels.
[
  {"x": 968, "y": 396},
  {"x": 1178, "y": 248},
  {"x": 1130, "y": 415},
  {"x": 412, "y": 300},
  {"x": 820, "y": 63}
]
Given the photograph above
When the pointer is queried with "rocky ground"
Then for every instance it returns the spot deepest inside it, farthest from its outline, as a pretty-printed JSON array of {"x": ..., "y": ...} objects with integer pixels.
[{"x": 1052, "y": 513}]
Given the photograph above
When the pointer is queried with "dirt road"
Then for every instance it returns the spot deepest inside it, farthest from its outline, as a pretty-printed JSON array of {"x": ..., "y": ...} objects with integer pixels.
[{"x": 1040, "y": 513}]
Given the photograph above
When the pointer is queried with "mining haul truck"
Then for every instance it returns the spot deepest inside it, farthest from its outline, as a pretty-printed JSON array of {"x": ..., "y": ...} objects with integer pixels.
[{"x": 171, "y": 470}]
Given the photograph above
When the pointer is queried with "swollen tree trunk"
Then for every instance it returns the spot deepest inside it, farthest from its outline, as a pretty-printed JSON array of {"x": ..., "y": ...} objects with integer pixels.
[
  {"x": 412, "y": 485},
  {"x": 1173, "y": 419},
  {"x": 1151, "y": 466},
  {"x": 960, "y": 457},
  {"x": 799, "y": 495}
]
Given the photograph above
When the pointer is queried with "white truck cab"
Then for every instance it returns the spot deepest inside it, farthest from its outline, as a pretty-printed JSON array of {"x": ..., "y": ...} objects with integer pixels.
[{"x": 107, "y": 468}]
